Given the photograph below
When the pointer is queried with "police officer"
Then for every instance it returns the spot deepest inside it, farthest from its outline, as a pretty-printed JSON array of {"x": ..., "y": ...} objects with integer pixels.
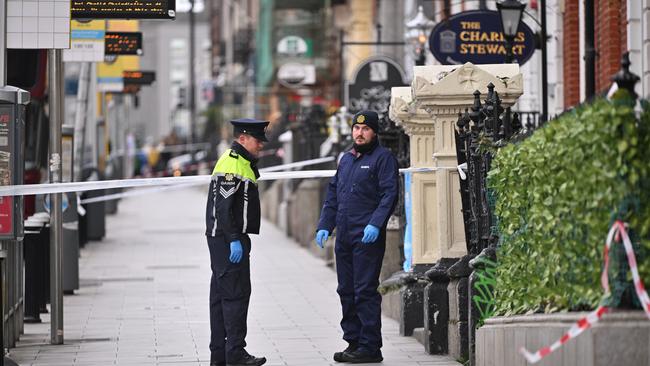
[
  {"x": 233, "y": 212},
  {"x": 360, "y": 199}
]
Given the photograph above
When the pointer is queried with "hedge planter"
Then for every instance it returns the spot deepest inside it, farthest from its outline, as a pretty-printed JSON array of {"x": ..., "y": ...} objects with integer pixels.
[{"x": 620, "y": 338}]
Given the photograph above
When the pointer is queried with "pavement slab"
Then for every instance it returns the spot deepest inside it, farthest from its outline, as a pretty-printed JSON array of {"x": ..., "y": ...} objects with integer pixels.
[{"x": 143, "y": 297}]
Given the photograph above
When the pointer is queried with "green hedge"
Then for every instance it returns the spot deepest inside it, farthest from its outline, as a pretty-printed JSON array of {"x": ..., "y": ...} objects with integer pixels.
[{"x": 556, "y": 194}]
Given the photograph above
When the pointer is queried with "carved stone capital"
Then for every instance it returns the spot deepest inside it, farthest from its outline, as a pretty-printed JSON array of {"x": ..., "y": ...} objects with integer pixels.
[
  {"x": 439, "y": 85},
  {"x": 413, "y": 129},
  {"x": 421, "y": 86}
]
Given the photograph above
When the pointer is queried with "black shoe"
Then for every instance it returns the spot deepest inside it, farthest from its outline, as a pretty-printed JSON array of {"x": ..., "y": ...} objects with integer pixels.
[
  {"x": 338, "y": 356},
  {"x": 249, "y": 360},
  {"x": 217, "y": 360},
  {"x": 361, "y": 356}
]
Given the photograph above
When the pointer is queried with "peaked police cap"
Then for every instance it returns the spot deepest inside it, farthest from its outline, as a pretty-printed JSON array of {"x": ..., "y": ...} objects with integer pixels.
[{"x": 251, "y": 126}]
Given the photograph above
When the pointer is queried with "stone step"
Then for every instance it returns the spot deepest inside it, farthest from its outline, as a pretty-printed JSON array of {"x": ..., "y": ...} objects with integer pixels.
[{"x": 418, "y": 333}]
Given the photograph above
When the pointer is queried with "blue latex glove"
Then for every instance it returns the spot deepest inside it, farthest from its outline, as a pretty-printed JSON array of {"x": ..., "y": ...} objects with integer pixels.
[
  {"x": 321, "y": 237},
  {"x": 236, "y": 251},
  {"x": 370, "y": 234}
]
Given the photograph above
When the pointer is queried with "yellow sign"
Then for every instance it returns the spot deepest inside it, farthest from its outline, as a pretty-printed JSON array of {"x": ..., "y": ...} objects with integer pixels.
[
  {"x": 123, "y": 26},
  {"x": 116, "y": 68},
  {"x": 110, "y": 74},
  {"x": 96, "y": 25}
]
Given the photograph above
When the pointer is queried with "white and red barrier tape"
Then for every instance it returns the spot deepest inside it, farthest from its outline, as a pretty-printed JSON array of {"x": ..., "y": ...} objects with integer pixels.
[{"x": 617, "y": 232}]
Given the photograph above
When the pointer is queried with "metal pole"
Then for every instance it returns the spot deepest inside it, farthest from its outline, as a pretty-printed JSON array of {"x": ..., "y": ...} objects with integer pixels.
[
  {"x": 80, "y": 120},
  {"x": 90, "y": 133},
  {"x": 55, "y": 65},
  {"x": 378, "y": 33},
  {"x": 3, "y": 42},
  {"x": 342, "y": 65},
  {"x": 3, "y": 257},
  {"x": 590, "y": 51},
  {"x": 509, "y": 44},
  {"x": 544, "y": 116},
  {"x": 192, "y": 88},
  {"x": 4, "y": 244}
]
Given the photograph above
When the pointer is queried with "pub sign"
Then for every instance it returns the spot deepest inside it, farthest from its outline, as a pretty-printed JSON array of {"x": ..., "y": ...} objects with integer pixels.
[
  {"x": 371, "y": 84},
  {"x": 477, "y": 37}
]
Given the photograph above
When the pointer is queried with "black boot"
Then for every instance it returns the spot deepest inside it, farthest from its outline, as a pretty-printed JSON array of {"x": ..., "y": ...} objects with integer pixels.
[
  {"x": 362, "y": 356},
  {"x": 248, "y": 360},
  {"x": 352, "y": 346},
  {"x": 217, "y": 359}
]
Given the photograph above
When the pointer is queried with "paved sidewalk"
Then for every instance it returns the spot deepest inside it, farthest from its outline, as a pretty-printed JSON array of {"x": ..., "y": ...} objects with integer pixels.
[{"x": 144, "y": 297}]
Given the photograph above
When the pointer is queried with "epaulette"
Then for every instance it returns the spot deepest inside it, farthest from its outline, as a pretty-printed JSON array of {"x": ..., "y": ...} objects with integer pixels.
[{"x": 234, "y": 154}]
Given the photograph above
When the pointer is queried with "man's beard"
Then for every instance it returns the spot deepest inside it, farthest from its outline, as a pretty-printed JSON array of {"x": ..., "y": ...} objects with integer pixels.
[{"x": 364, "y": 148}]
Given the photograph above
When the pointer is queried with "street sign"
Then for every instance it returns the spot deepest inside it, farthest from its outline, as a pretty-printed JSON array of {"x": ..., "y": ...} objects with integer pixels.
[
  {"x": 139, "y": 77},
  {"x": 294, "y": 46},
  {"x": 370, "y": 88},
  {"x": 123, "y": 9},
  {"x": 295, "y": 74},
  {"x": 110, "y": 76},
  {"x": 86, "y": 41},
  {"x": 476, "y": 36},
  {"x": 131, "y": 89},
  {"x": 123, "y": 43}
]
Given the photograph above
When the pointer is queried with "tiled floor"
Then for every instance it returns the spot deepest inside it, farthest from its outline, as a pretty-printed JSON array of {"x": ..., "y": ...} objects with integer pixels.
[{"x": 144, "y": 297}]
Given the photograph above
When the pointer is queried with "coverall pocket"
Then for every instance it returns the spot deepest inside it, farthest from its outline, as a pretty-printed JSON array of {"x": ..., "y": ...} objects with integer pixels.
[
  {"x": 363, "y": 175},
  {"x": 230, "y": 283}
]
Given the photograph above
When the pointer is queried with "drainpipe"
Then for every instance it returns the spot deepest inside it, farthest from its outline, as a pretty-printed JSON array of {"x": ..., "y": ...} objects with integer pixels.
[{"x": 590, "y": 50}]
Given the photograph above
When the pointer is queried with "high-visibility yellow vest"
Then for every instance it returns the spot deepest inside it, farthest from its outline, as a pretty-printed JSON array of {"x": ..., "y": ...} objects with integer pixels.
[{"x": 232, "y": 163}]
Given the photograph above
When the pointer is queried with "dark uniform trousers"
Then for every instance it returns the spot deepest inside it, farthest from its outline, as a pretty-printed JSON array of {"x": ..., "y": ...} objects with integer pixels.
[
  {"x": 230, "y": 291},
  {"x": 358, "y": 266}
]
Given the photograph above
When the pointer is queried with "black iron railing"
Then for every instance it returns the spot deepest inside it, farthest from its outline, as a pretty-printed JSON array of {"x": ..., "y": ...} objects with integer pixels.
[{"x": 481, "y": 131}]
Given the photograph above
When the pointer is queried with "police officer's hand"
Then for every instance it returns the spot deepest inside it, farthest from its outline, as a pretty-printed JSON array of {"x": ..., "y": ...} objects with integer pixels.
[
  {"x": 321, "y": 237},
  {"x": 235, "y": 251},
  {"x": 370, "y": 234}
]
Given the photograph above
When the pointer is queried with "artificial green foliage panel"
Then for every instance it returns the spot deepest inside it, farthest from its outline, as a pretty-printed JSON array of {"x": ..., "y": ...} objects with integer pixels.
[{"x": 557, "y": 193}]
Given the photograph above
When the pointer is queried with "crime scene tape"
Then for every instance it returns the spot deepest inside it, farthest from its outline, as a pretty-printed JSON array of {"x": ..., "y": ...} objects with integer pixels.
[
  {"x": 297, "y": 164},
  {"x": 617, "y": 232},
  {"x": 168, "y": 182},
  {"x": 47, "y": 188},
  {"x": 138, "y": 192}
]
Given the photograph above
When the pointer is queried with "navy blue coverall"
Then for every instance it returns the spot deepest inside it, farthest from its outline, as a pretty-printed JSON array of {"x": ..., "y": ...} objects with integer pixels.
[{"x": 363, "y": 191}]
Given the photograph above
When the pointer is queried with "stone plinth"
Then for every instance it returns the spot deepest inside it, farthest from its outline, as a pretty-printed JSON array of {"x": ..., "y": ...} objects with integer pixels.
[
  {"x": 619, "y": 338},
  {"x": 428, "y": 111}
]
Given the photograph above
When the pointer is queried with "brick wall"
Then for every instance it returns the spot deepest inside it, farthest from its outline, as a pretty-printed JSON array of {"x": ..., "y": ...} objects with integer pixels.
[
  {"x": 571, "y": 51},
  {"x": 610, "y": 23},
  {"x": 610, "y": 39}
]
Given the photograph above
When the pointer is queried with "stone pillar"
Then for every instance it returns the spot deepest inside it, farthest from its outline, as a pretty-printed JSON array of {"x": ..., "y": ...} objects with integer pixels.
[
  {"x": 436, "y": 308},
  {"x": 458, "y": 331},
  {"x": 411, "y": 310},
  {"x": 428, "y": 111}
]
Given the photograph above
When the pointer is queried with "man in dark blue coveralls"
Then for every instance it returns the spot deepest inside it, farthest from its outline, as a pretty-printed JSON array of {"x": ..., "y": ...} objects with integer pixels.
[
  {"x": 233, "y": 212},
  {"x": 360, "y": 199}
]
